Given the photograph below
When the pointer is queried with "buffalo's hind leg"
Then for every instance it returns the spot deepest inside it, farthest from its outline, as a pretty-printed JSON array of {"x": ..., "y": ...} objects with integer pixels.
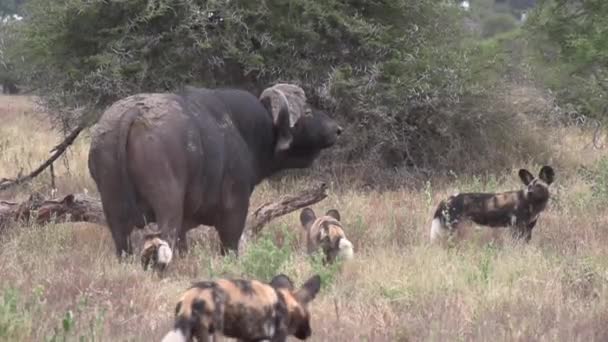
[
  {"x": 122, "y": 241},
  {"x": 168, "y": 210},
  {"x": 161, "y": 186}
]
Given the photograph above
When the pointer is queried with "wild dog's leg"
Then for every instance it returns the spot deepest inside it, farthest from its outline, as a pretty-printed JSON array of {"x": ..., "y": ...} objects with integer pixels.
[
  {"x": 528, "y": 231},
  {"x": 440, "y": 226},
  {"x": 496, "y": 236},
  {"x": 523, "y": 231},
  {"x": 280, "y": 336},
  {"x": 203, "y": 336}
]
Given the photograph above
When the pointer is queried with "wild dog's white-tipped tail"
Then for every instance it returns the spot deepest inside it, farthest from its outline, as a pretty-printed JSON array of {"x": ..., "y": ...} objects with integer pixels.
[
  {"x": 437, "y": 230},
  {"x": 164, "y": 253},
  {"x": 346, "y": 249},
  {"x": 175, "y": 335}
]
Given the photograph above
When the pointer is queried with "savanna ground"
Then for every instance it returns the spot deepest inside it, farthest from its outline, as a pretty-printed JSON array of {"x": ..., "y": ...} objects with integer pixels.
[{"x": 62, "y": 281}]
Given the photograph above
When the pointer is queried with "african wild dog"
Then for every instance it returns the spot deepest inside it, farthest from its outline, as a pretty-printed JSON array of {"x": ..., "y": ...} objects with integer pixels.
[
  {"x": 518, "y": 210},
  {"x": 155, "y": 252},
  {"x": 247, "y": 310},
  {"x": 326, "y": 232}
]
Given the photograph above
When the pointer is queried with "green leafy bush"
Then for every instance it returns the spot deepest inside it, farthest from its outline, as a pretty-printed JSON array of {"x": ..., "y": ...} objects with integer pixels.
[
  {"x": 497, "y": 24},
  {"x": 571, "y": 43},
  {"x": 264, "y": 259}
]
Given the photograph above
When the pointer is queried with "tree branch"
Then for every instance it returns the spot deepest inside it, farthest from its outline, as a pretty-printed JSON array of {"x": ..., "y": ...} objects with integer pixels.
[
  {"x": 257, "y": 219},
  {"x": 57, "y": 151},
  {"x": 84, "y": 208}
]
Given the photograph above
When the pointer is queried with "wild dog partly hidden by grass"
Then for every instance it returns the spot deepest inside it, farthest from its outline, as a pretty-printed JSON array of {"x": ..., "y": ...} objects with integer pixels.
[
  {"x": 326, "y": 233},
  {"x": 248, "y": 310},
  {"x": 518, "y": 210}
]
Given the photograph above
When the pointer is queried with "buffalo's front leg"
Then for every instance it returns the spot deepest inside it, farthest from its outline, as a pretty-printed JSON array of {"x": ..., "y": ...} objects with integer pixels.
[
  {"x": 235, "y": 204},
  {"x": 230, "y": 229},
  {"x": 122, "y": 241}
]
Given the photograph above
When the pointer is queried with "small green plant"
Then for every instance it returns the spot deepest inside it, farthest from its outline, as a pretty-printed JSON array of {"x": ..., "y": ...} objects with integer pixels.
[
  {"x": 14, "y": 320},
  {"x": 600, "y": 180},
  {"x": 72, "y": 324},
  {"x": 264, "y": 259},
  {"x": 327, "y": 272},
  {"x": 428, "y": 193}
]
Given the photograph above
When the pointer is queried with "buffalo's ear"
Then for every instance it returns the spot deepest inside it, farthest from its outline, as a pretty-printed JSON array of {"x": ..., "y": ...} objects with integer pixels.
[
  {"x": 307, "y": 216},
  {"x": 281, "y": 120},
  {"x": 281, "y": 281},
  {"x": 333, "y": 213},
  {"x": 525, "y": 176},
  {"x": 547, "y": 174},
  {"x": 309, "y": 290}
]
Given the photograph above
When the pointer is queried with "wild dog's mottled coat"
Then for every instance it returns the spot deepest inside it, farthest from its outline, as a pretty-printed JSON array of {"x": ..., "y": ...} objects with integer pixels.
[
  {"x": 326, "y": 232},
  {"x": 516, "y": 209},
  {"x": 248, "y": 310}
]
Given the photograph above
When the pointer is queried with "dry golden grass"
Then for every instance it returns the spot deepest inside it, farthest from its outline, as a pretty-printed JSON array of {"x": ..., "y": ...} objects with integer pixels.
[{"x": 64, "y": 281}]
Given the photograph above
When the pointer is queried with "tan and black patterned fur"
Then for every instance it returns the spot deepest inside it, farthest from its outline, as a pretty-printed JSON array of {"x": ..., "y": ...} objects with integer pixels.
[
  {"x": 326, "y": 233},
  {"x": 518, "y": 210},
  {"x": 248, "y": 310}
]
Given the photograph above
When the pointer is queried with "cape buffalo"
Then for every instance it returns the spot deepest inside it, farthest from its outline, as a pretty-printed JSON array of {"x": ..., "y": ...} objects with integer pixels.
[{"x": 194, "y": 157}]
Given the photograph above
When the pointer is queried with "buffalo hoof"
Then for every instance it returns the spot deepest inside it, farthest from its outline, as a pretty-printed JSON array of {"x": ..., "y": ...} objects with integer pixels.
[{"x": 156, "y": 252}]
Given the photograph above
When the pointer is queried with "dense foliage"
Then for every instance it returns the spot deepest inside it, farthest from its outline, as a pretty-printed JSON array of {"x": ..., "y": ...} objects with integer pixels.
[
  {"x": 376, "y": 65},
  {"x": 572, "y": 38},
  {"x": 412, "y": 86}
]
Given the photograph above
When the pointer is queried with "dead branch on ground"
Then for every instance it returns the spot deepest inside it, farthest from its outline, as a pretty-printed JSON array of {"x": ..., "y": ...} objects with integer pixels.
[
  {"x": 257, "y": 219},
  {"x": 84, "y": 208},
  {"x": 36, "y": 209}
]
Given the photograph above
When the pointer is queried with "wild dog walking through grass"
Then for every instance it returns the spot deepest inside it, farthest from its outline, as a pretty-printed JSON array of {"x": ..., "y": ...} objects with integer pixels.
[
  {"x": 248, "y": 310},
  {"x": 326, "y": 232},
  {"x": 518, "y": 210}
]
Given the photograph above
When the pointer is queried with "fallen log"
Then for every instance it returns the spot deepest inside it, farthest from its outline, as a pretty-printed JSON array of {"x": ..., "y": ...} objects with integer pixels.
[
  {"x": 84, "y": 208},
  {"x": 36, "y": 209}
]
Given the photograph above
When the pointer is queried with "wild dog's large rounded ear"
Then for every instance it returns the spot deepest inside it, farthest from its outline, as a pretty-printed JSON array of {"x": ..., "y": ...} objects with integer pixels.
[
  {"x": 309, "y": 290},
  {"x": 307, "y": 216},
  {"x": 281, "y": 281},
  {"x": 526, "y": 176},
  {"x": 333, "y": 213},
  {"x": 547, "y": 174}
]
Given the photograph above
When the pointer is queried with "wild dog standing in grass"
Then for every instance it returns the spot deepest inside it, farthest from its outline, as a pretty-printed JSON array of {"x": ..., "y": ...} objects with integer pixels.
[
  {"x": 247, "y": 310},
  {"x": 518, "y": 210},
  {"x": 326, "y": 232}
]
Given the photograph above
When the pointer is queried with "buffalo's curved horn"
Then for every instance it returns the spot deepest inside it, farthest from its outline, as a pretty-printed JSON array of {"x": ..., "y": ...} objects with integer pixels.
[{"x": 296, "y": 101}]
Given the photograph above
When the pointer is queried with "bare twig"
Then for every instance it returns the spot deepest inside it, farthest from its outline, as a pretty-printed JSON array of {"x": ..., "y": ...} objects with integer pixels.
[
  {"x": 596, "y": 136},
  {"x": 57, "y": 151}
]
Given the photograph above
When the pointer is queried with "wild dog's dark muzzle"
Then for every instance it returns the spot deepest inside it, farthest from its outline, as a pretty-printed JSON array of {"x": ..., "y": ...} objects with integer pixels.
[{"x": 303, "y": 332}]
